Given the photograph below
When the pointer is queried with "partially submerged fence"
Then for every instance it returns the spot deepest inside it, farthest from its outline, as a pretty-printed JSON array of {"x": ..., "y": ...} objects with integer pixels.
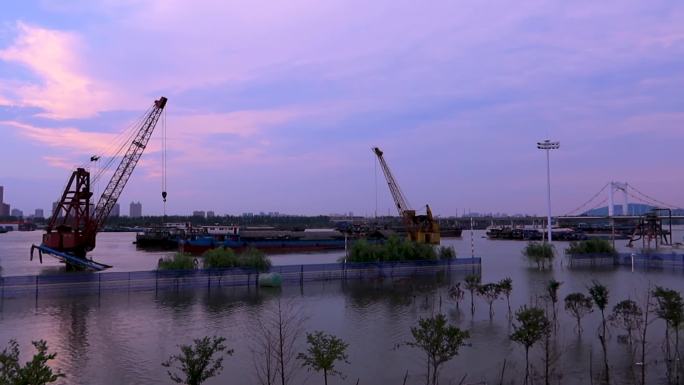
[
  {"x": 637, "y": 260},
  {"x": 174, "y": 279}
]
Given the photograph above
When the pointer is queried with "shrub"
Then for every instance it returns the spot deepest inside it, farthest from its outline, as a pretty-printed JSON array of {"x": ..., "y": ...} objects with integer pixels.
[
  {"x": 397, "y": 249},
  {"x": 222, "y": 258},
  {"x": 540, "y": 253},
  {"x": 591, "y": 246},
  {"x": 179, "y": 261}
]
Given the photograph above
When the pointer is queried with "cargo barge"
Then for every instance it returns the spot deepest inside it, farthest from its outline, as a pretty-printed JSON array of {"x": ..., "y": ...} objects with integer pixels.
[{"x": 197, "y": 240}]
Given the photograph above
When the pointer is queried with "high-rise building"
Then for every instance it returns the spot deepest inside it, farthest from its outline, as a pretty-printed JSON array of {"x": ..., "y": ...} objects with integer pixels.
[
  {"x": 4, "y": 208},
  {"x": 17, "y": 213},
  {"x": 39, "y": 213},
  {"x": 135, "y": 210},
  {"x": 210, "y": 214},
  {"x": 116, "y": 211},
  {"x": 198, "y": 213}
]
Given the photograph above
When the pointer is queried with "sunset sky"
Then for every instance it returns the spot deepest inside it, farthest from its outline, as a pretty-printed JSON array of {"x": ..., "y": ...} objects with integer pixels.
[{"x": 274, "y": 106}]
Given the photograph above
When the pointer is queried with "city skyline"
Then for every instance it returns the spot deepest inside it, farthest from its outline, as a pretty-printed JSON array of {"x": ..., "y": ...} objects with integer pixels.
[{"x": 283, "y": 119}]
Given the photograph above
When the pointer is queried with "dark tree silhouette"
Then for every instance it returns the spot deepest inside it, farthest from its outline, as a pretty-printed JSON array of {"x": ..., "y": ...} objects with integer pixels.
[
  {"x": 472, "y": 282},
  {"x": 578, "y": 305},
  {"x": 198, "y": 362},
  {"x": 323, "y": 352}
]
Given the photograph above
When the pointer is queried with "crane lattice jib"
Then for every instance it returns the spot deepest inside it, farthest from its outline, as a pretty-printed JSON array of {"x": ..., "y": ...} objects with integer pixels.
[
  {"x": 399, "y": 199},
  {"x": 123, "y": 172}
]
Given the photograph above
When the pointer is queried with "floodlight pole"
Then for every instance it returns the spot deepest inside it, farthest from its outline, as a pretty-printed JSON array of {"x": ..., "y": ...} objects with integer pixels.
[{"x": 548, "y": 145}]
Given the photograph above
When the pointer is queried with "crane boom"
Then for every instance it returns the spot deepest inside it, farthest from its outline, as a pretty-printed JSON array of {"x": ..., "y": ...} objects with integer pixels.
[
  {"x": 420, "y": 228},
  {"x": 123, "y": 172},
  {"x": 400, "y": 200}
]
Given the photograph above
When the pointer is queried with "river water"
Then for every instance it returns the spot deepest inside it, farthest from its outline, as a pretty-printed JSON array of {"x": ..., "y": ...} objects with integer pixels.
[{"x": 122, "y": 337}]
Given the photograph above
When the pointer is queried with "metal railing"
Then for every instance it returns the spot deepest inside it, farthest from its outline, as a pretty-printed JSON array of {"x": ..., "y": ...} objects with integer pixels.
[{"x": 60, "y": 284}]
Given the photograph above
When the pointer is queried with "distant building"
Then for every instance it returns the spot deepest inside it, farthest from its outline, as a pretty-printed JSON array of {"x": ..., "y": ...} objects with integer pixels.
[
  {"x": 247, "y": 215},
  {"x": 198, "y": 213},
  {"x": 17, "y": 213},
  {"x": 116, "y": 211},
  {"x": 135, "y": 210},
  {"x": 4, "y": 208},
  {"x": 210, "y": 214},
  {"x": 39, "y": 213}
]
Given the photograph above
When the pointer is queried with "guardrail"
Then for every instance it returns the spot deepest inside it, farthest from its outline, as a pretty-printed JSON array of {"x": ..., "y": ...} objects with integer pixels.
[
  {"x": 640, "y": 260},
  {"x": 71, "y": 283}
]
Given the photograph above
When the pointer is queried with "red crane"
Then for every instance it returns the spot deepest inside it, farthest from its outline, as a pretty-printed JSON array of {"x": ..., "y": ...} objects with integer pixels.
[{"x": 73, "y": 227}]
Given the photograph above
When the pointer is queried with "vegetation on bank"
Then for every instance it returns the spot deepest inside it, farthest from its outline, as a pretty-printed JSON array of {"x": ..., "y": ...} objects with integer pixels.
[
  {"x": 37, "y": 371},
  {"x": 591, "y": 246},
  {"x": 179, "y": 261},
  {"x": 221, "y": 258},
  {"x": 398, "y": 249},
  {"x": 541, "y": 253}
]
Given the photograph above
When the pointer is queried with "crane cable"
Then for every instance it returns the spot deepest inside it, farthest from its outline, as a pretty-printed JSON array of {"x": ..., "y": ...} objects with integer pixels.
[{"x": 164, "y": 157}]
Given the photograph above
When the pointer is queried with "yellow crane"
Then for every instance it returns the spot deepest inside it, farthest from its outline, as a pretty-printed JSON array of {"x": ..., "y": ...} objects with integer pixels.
[{"x": 420, "y": 228}]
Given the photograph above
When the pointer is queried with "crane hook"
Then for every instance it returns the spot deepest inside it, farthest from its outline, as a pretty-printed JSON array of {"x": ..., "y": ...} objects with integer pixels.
[{"x": 164, "y": 195}]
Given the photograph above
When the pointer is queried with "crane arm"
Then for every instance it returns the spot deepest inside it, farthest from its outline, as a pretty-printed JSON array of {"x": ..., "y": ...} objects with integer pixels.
[
  {"x": 123, "y": 172},
  {"x": 400, "y": 200}
]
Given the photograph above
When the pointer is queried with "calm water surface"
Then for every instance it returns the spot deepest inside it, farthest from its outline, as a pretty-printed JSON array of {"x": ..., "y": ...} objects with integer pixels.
[{"x": 121, "y": 337}]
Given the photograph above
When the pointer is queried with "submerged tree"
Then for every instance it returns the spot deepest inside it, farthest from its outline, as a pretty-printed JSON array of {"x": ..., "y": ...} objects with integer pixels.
[
  {"x": 323, "y": 352},
  {"x": 275, "y": 342},
  {"x": 599, "y": 293},
  {"x": 532, "y": 326},
  {"x": 472, "y": 282},
  {"x": 627, "y": 315},
  {"x": 440, "y": 342},
  {"x": 540, "y": 253},
  {"x": 198, "y": 362},
  {"x": 671, "y": 310},
  {"x": 35, "y": 372},
  {"x": 552, "y": 291},
  {"x": 506, "y": 286},
  {"x": 456, "y": 293},
  {"x": 490, "y": 292},
  {"x": 578, "y": 305}
]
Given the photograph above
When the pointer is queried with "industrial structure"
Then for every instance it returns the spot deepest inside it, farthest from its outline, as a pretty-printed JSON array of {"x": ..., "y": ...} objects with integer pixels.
[
  {"x": 420, "y": 228},
  {"x": 71, "y": 235}
]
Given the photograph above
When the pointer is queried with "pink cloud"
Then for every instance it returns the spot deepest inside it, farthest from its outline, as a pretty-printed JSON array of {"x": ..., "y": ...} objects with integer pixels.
[{"x": 65, "y": 90}]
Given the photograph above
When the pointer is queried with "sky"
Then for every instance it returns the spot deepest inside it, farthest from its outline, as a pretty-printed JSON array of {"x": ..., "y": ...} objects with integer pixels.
[{"x": 275, "y": 106}]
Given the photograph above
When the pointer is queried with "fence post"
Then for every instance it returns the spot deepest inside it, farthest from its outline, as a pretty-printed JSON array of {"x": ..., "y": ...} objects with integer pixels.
[
  {"x": 99, "y": 284},
  {"x": 156, "y": 282},
  {"x": 37, "y": 276},
  {"x": 301, "y": 275},
  {"x": 129, "y": 281},
  {"x": 208, "y": 280}
]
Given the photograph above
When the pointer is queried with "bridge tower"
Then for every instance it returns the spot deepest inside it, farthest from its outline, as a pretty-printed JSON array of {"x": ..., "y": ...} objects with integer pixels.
[{"x": 618, "y": 186}]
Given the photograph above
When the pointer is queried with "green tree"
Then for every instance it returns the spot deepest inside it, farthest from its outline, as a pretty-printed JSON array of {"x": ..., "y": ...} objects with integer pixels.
[
  {"x": 671, "y": 310},
  {"x": 578, "y": 305},
  {"x": 472, "y": 282},
  {"x": 323, "y": 352},
  {"x": 532, "y": 326},
  {"x": 506, "y": 286},
  {"x": 440, "y": 342},
  {"x": 198, "y": 362},
  {"x": 599, "y": 293},
  {"x": 552, "y": 291},
  {"x": 627, "y": 315},
  {"x": 35, "y": 372},
  {"x": 490, "y": 292},
  {"x": 540, "y": 253}
]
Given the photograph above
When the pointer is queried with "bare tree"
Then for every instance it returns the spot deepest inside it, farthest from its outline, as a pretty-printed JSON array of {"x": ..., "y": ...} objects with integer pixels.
[{"x": 276, "y": 337}]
